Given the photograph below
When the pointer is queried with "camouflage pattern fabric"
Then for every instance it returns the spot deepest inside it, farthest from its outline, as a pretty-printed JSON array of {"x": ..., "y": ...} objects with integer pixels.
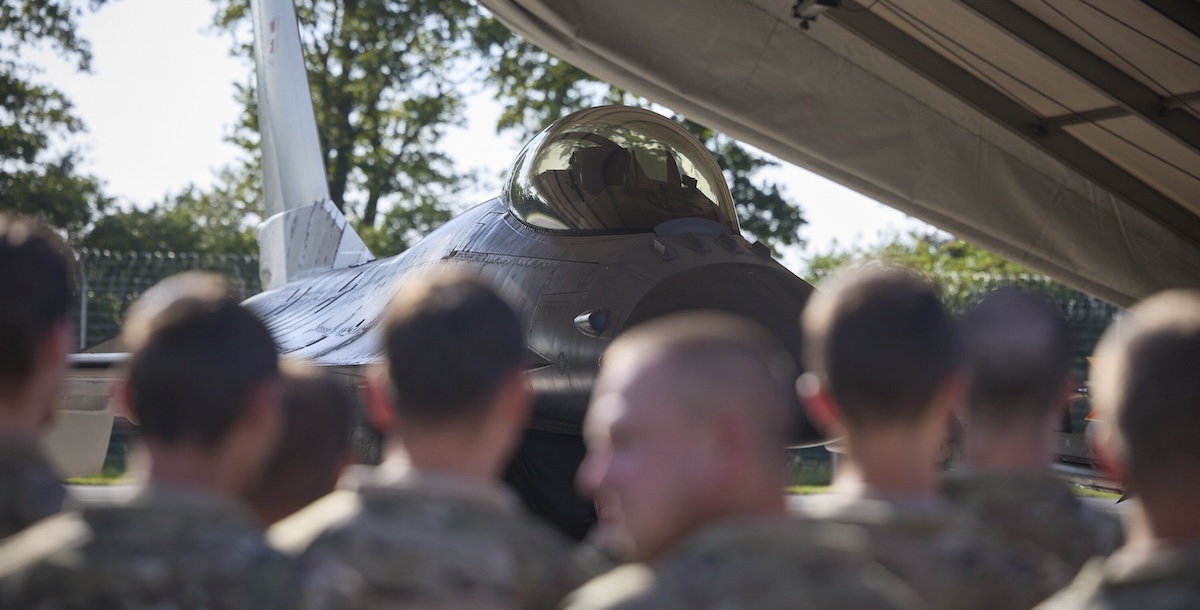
[
  {"x": 30, "y": 490},
  {"x": 398, "y": 539},
  {"x": 762, "y": 564},
  {"x": 942, "y": 553},
  {"x": 1163, "y": 579},
  {"x": 1038, "y": 509},
  {"x": 167, "y": 549}
]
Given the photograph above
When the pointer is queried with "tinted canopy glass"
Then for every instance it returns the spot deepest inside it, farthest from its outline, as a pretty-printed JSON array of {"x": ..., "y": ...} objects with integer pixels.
[{"x": 616, "y": 168}]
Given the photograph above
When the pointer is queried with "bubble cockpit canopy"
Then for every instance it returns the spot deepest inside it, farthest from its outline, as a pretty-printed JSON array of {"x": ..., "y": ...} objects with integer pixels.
[{"x": 616, "y": 169}]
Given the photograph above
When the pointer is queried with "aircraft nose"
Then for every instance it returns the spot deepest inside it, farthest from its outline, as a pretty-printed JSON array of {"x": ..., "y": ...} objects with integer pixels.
[{"x": 768, "y": 295}]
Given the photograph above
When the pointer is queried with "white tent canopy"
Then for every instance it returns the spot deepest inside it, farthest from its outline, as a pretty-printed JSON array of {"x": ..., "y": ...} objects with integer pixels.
[{"x": 1061, "y": 134}]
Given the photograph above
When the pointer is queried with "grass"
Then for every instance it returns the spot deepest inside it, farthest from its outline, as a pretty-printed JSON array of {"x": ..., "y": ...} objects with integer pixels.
[
  {"x": 108, "y": 476},
  {"x": 1088, "y": 492},
  {"x": 807, "y": 490}
]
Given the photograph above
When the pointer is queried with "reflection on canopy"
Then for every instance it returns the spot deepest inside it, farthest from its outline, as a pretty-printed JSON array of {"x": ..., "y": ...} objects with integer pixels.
[{"x": 616, "y": 168}]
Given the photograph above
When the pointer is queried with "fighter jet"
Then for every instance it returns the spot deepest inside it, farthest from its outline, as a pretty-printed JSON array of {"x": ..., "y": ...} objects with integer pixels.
[{"x": 609, "y": 217}]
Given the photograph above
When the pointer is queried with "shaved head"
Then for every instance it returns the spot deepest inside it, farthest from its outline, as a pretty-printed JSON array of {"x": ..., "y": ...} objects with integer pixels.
[
  {"x": 713, "y": 362},
  {"x": 199, "y": 358},
  {"x": 687, "y": 423},
  {"x": 1017, "y": 352},
  {"x": 1147, "y": 383},
  {"x": 450, "y": 343},
  {"x": 879, "y": 339}
]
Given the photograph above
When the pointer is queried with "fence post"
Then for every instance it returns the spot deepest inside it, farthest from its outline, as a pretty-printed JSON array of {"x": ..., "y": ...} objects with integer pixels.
[{"x": 83, "y": 303}]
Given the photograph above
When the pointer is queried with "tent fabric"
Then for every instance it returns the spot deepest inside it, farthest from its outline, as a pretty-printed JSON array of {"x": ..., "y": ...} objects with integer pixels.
[{"x": 1061, "y": 135}]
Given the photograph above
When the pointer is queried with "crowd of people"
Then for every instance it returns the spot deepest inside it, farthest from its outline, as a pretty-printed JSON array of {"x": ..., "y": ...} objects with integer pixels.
[{"x": 251, "y": 500}]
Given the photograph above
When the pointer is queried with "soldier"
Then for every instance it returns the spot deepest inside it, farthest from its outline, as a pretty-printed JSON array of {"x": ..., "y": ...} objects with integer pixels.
[
  {"x": 314, "y": 448},
  {"x": 1147, "y": 393},
  {"x": 1018, "y": 360},
  {"x": 432, "y": 527},
  {"x": 202, "y": 383},
  {"x": 35, "y": 287},
  {"x": 884, "y": 374},
  {"x": 685, "y": 436}
]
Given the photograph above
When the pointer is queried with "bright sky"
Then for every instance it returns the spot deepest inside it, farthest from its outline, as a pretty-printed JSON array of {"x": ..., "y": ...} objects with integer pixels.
[{"x": 159, "y": 102}]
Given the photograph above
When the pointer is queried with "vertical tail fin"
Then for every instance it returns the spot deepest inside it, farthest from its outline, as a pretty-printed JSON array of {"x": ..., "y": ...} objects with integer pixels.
[{"x": 304, "y": 232}]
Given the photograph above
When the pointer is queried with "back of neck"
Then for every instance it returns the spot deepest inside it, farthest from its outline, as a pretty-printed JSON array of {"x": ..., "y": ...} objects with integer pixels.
[
  {"x": 188, "y": 465},
  {"x": 445, "y": 452},
  {"x": 1165, "y": 519},
  {"x": 888, "y": 461},
  {"x": 23, "y": 417},
  {"x": 1013, "y": 446}
]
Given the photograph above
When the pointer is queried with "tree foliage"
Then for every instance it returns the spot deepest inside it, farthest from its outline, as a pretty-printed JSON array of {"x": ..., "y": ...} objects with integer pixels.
[
  {"x": 538, "y": 88},
  {"x": 38, "y": 174},
  {"x": 962, "y": 272},
  {"x": 933, "y": 253},
  {"x": 217, "y": 221},
  {"x": 383, "y": 79},
  {"x": 387, "y": 78}
]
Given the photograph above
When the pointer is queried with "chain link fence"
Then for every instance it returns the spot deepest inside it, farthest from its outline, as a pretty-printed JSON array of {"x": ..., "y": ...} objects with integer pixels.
[{"x": 109, "y": 282}]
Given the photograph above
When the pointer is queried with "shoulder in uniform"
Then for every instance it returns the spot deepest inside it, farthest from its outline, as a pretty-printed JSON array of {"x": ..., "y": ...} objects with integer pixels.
[
  {"x": 428, "y": 539},
  {"x": 32, "y": 490},
  {"x": 755, "y": 563}
]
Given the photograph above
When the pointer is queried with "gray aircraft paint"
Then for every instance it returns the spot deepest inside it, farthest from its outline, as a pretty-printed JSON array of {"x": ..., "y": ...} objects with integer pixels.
[{"x": 552, "y": 278}]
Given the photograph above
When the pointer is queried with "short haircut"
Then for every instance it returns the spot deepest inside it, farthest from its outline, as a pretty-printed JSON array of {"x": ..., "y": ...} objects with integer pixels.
[
  {"x": 1016, "y": 347},
  {"x": 35, "y": 290},
  {"x": 715, "y": 360},
  {"x": 318, "y": 411},
  {"x": 1146, "y": 382},
  {"x": 880, "y": 341},
  {"x": 450, "y": 342},
  {"x": 198, "y": 357}
]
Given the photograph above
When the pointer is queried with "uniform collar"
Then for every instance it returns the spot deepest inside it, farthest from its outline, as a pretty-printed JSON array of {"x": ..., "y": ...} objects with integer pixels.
[
  {"x": 392, "y": 481},
  {"x": 1132, "y": 567}
]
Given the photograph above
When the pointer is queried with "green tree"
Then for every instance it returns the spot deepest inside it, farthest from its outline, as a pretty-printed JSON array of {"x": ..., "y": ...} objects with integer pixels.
[
  {"x": 38, "y": 174},
  {"x": 538, "y": 88},
  {"x": 931, "y": 252},
  {"x": 219, "y": 221},
  {"x": 387, "y": 79},
  {"x": 961, "y": 271},
  {"x": 383, "y": 79}
]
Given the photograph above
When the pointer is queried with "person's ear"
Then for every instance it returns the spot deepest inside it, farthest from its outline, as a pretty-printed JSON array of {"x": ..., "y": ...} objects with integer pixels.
[
  {"x": 377, "y": 394},
  {"x": 516, "y": 399},
  {"x": 56, "y": 345},
  {"x": 264, "y": 412},
  {"x": 1067, "y": 392},
  {"x": 952, "y": 394},
  {"x": 1101, "y": 439},
  {"x": 733, "y": 442},
  {"x": 819, "y": 405},
  {"x": 124, "y": 400}
]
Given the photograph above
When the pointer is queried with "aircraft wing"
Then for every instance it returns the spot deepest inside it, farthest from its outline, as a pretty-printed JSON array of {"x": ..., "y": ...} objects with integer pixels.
[{"x": 1064, "y": 136}]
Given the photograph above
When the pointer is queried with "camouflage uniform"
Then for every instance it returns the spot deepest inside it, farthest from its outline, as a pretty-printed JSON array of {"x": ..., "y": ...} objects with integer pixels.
[
  {"x": 1039, "y": 509},
  {"x": 765, "y": 564},
  {"x": 31, "y": 490},
  {"x": 1163, "y": 579},
  {"x": 165, "y": 549},
  {"x": 392, "y": 539},
  {"x": 947, "y": 558}
]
